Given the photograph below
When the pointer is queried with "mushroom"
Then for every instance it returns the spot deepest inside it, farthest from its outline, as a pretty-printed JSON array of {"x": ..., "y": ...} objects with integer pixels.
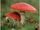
[
  {"x": 23, "y": 7},
  {"x": 13, "y": 15},
  {"x": 16, "y": 17}
]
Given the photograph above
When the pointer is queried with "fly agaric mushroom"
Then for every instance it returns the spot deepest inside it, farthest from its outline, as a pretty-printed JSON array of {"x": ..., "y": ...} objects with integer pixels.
[
  {"x": 23, "y": 7},
  {"x": 15, "y": 15},
  {"x": 18, "y": 18}
]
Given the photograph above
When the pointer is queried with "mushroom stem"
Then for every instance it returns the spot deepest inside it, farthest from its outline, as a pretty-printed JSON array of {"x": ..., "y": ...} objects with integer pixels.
[{"x": 22, "y": 18}]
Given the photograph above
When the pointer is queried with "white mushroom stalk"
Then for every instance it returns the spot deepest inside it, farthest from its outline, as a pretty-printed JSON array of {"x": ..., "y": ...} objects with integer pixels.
[{"x": 22, "y": 18}]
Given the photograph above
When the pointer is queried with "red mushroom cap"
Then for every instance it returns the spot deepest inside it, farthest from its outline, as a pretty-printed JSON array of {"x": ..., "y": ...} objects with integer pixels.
[
  {"x": 13, "y": 15},
  {"x": 23, "y": 7}
]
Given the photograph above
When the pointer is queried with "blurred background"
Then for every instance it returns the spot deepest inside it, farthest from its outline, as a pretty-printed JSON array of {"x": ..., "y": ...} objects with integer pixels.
[{"x": 5, "y": 8}]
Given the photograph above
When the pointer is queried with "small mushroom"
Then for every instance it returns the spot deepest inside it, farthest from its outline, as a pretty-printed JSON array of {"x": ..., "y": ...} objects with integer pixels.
[
  {"x": 13, "y": 15},
  {"x": 16, "y": 17}
]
